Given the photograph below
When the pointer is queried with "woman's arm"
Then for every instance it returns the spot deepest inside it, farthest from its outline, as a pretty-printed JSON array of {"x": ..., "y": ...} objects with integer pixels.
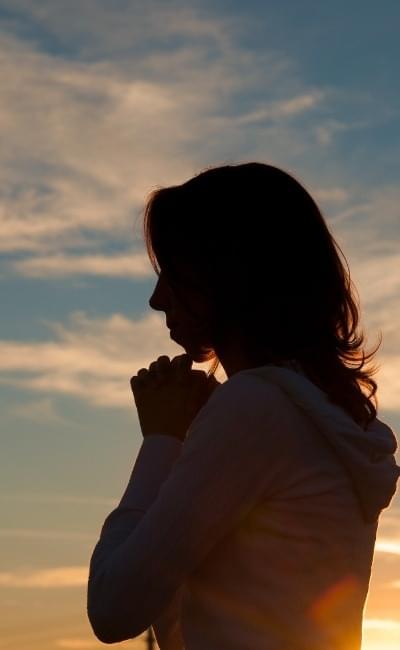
[
  {"x": 229, "y": 461},
  {"x": 152, "y": 466}
]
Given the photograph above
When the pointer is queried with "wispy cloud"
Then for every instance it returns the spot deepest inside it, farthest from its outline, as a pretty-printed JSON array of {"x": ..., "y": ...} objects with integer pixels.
[
  {"x": 380, "y": 624},
  {"x": 77, "y": 163},
  {"x": 326, "y": 130},
  {"x": 33, "y": 497},
  {"x": 388, "y": 537},
  {"x": 91, "y": 359},
  {"x": 388, "y": 379},
  {"x": 94, "y": 358},
  {"x": 135, "y": 265},
  {"x": 34, "y": 533},
  {"x": 58, "y": 577},
  {"x": 378, "y": 281},
  {"x": 391, "y": 546},
  {"x": 369, "y": 224},
  {"x": 332, "y": 194},
  {"x": 77, "y": 644},
  {"x": 281, "y": 109},
  {"x": 39, "y": 410},
  {"x": 95, "y": 30},
  {"x": 90, "y": 135},
  {"x": 89, "y": 138}
]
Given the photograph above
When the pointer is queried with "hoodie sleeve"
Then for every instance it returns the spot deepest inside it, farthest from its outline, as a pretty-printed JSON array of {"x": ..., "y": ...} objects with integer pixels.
[
  {"x": 154, "y": 461},
  {"x": 229, "y": 461}
]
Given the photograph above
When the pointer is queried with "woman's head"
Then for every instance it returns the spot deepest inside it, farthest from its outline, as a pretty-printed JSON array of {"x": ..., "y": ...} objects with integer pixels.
[{"x": 243, "y": 250}]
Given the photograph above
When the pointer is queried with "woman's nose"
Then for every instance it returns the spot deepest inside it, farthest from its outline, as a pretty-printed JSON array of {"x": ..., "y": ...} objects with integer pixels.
[
  {"x": 157, "y": 299},
  {"x": 153, "y": 301}
]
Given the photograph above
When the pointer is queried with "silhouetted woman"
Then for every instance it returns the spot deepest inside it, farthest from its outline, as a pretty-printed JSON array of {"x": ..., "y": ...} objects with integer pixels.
[{"x": 250, "y": 517}]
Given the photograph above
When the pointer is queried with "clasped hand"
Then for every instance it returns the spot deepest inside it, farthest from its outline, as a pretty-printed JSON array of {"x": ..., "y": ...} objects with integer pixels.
[{"x": 169, "y": 394}]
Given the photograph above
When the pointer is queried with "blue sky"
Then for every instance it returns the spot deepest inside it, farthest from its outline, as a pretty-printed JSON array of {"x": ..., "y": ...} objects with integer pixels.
[{"x": 102, "y": 102}]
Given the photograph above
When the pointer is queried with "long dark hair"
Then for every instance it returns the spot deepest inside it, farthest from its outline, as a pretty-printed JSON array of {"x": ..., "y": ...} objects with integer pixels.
[{"x": 252, "y": 239}]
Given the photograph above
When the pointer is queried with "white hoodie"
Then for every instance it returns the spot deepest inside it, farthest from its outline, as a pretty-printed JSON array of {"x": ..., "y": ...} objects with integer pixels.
[{"x": 255, "y": 533}]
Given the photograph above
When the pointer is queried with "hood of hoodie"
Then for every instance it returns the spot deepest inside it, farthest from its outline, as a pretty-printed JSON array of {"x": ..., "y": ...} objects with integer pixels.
[{"x": 367, "y": 455}]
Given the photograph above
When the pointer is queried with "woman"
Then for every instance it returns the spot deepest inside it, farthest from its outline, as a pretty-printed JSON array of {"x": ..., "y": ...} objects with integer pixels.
[{"x": 250, "y": 517}]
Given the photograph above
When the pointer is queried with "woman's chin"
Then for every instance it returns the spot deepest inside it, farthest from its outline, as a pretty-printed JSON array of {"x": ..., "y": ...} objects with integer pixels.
[
  {"x": 197, "y": 356},
  {"x": 198, "y": 353}
]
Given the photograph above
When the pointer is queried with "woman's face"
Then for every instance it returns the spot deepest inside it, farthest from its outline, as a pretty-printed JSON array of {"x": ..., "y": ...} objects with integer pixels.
[{"x": 186, "y": 329}]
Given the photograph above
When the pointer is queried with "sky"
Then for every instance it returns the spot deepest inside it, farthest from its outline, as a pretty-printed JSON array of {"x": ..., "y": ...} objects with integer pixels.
[{"x": 101, "y": 102}]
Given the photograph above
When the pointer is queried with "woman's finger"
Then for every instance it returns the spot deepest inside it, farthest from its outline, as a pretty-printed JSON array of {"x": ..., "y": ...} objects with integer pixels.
[
  {"x": 164, "y": 362},
  {"x": 153, "y": 367},
  {"x": 139, "y": 380},
  {"x": 155, "y": 374},
  {"x": 163, "y": 367},
  {"x": 182, "y": 366},
  {"x": 182, "y": 362},
  {"x": 159, "y": 370}
]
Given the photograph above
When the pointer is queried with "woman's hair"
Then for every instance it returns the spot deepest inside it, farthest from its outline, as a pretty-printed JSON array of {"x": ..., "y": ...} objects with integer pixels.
[{"x": 252, "y": 240}]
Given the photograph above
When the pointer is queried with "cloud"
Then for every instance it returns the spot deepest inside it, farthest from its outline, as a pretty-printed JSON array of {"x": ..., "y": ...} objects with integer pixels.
[
  {"x": 33, "y": 533},
  {"x": 78, "y": 161},
  {"x": 136, "y": 98},
  {"x": 282, "y": 109},
  {"x": 378, "y": 286},
  {"x": 331, "y": 194},
  {"x": 77, "y": 644},
  {"x": 58, "y": 577},
  {"x": 135, "y": 265},
  {"x": 94, "y": 358},
  {"x": 369, "y": 224},
  {"x": 96, "y": 30},
  {"x": 39, "y": 410},
  {"x": 87, "y": 137},
  {"x": 326, "y": 130},
  {"x": 388, "y": 380},
  {"x": 388, "y": 537},
  {"x": 91, "y": 359},
  {"x": 33, "y": 497},
  {"x": 378, "y": 281},
  {"x": 379, "y": 644},
  {"x": 380, "y": 624},
  {"x": 391, "y": 546}
]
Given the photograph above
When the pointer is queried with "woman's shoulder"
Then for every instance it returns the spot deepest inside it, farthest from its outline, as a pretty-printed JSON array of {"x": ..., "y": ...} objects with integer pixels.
[
  {"x": 250, "y": 416},
  {"x": 244, "y": 389},
  {"x": 250, "y": 402},
  {"x": 268, "y": 397}
]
